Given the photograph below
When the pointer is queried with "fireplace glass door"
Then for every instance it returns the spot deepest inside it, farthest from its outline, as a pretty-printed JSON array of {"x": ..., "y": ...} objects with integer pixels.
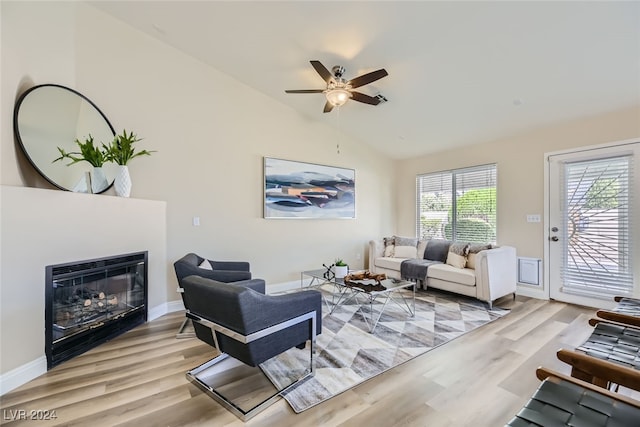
[{"x": 89, "y": 301}]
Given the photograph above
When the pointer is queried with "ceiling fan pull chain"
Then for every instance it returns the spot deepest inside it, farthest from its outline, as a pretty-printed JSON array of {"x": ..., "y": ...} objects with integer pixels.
[{"x": 338, "y": 142}]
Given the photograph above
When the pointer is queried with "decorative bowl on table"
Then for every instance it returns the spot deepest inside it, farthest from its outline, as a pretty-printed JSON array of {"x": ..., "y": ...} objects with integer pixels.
[{"x": 365, "y": 280}]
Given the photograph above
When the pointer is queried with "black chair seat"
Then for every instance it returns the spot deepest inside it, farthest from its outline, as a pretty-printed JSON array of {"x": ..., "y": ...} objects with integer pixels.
[
  {"x": 616, "y": 343},
  {"x": 562, "y": 403},
  {"x": 628, "y": 306}
]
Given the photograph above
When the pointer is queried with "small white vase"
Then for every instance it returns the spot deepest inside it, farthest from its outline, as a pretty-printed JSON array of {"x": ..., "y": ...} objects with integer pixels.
[
  {"x": 341, "y": 271},
  {"x": 122, "y": 182},
  {"x": 98, "y": 180}
]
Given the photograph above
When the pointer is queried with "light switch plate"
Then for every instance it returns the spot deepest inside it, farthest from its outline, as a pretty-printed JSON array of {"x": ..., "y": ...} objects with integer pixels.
[{"x": 533, "y": 218}]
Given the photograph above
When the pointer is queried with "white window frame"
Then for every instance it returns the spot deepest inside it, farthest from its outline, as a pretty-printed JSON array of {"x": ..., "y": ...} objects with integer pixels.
[{"x": 492, "y": 171}]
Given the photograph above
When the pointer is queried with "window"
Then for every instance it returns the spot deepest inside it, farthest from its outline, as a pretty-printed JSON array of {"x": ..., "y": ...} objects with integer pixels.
[{"x": 458, "y": 205}]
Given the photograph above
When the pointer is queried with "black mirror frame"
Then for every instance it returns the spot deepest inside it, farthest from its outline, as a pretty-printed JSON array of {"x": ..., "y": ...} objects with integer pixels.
[{"x": 18, "y": 137}]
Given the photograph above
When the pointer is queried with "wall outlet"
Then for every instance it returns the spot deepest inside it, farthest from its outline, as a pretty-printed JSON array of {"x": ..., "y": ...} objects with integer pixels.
[
  {"x": 196, "y": 221},
  {"x": 533, "y": 218}
]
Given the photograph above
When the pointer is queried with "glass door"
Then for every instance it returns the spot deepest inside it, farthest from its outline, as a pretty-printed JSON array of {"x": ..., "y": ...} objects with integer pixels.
[{"x": 593, "y": 225}]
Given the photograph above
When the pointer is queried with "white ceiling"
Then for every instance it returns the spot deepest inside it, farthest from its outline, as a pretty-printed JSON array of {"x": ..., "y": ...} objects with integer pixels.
[{"x": 459, "y": 72}]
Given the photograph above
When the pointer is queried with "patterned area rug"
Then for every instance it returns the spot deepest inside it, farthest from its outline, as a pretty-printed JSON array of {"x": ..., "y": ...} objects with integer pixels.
[{"x": 347, "y": 354}]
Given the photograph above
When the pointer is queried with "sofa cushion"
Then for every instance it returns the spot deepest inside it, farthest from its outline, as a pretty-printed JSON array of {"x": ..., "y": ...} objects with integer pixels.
[
  {"x": 437, "y": 250},
  {"x": 473, "y": 250},
  {"x": 389, "y": 263},
  {"x": 464, "y": 276},
  {"x": 457, "y": 256}
]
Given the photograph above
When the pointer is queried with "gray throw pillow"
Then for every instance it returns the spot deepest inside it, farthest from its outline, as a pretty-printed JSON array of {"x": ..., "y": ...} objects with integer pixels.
[
  {"x": 405, "y": 241},
  {"x": 437, "y": 250}
]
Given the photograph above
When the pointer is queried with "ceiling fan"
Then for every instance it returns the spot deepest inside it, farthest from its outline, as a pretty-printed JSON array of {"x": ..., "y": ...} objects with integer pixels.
[{"x": 339, "y": 90}]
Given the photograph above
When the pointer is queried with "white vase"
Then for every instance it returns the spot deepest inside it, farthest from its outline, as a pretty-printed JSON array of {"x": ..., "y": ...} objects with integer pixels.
[
  {"x": 341, "y": 271},
  {"x": 122, "y": 182},
  {"x": 98, "y": 180}
]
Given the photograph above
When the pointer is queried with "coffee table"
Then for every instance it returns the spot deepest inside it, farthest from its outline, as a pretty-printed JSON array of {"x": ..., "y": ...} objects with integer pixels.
[
  {"x": 318, "y": 280},
  {"x": 345, "y": 293}
]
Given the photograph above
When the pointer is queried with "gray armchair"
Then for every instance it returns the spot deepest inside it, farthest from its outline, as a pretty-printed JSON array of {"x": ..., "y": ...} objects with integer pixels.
[
  {"x": 234, "y": 272},
  {"x": 250, "y": 327}
]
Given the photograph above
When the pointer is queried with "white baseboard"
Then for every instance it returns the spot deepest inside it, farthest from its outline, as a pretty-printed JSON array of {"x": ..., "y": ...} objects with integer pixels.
[
  {"x": 22, "y": 374},
  {"x": 531, "y": 291},
  {"x": 284, "y": 286},
  {"x": 162, "y": 309}
]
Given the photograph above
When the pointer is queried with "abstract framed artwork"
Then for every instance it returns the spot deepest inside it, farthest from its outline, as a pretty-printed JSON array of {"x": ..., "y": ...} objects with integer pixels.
[{"x": 308, "y": 190}]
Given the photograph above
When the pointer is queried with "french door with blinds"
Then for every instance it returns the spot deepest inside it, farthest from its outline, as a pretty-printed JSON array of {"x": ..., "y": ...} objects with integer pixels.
[{"x": 593, "y": 225}]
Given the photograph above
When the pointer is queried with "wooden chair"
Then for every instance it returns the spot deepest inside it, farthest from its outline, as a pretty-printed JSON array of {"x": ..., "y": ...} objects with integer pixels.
[
  {"x": 627, "y": 311},
  {"x": 561, "y": 400},
  {"x": 610, "y": 356}
]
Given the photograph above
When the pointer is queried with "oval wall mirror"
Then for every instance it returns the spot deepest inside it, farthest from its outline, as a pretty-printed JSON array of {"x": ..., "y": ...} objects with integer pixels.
[{"x": 50, "y": 116}]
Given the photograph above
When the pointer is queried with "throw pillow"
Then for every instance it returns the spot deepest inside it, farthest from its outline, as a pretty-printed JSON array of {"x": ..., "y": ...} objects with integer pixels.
[
  {"x": 422, "y": 245},
  {"x": 404, "y": 252},
  {"x": 457, "y": 256},
  {"x": 437, "y": 250},
  {"x": 473, "y": 250},
  {"x": 389, "y": 246},
  {"x": 405, "y": 241},
  {"x": 405, "y": 247},
  {"x": 206, "y": 265}
]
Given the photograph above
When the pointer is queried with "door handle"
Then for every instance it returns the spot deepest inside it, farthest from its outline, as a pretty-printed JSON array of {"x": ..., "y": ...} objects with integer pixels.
[{"x": 554, "y": 238}]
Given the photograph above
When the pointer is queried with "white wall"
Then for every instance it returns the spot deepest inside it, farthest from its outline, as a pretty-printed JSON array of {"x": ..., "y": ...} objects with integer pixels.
[
  {"x": 44, "y": 227},
  {"x": 210, "y": 132},
  {"x": 520, "y": 163}
]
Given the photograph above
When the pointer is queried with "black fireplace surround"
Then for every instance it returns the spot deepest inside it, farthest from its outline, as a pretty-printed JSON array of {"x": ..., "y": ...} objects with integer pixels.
[{"x": 89, "y": 302}]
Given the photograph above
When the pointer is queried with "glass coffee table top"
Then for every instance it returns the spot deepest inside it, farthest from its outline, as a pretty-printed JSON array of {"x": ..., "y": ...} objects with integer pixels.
[{"x": 388, "y": 289}]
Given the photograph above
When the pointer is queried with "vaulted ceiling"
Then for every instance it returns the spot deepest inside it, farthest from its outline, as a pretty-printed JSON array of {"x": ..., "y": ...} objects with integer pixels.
[{"x": 459, "y": 72}]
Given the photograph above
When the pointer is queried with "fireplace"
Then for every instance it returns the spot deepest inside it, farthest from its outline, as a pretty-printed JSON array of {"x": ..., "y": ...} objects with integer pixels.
[{"x": 89, "y": 302}]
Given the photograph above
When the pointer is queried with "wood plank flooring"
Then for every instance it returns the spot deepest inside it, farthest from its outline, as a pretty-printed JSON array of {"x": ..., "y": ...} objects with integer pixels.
[{"x": 480, "y": 379}]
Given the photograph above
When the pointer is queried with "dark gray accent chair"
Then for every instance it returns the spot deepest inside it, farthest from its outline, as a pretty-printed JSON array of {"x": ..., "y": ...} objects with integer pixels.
[
  {"x": 235, "y": 272},
  {"x": 251, "y": 327}
]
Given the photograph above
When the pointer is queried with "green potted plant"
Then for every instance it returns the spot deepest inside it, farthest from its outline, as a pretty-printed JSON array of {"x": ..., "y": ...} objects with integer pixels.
[
  {"x": 121, "y": 151},
  {"x": 341, "y": 268},
  {"x": 92, "y": 154}
]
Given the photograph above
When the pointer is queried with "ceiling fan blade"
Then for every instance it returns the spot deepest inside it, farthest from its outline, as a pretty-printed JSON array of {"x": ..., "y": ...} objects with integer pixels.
[
  {"x": 368, "y": 78},
  {"x": 327, "y": 107},
  {"x": 305, "y": 91},
  {"x": 322, "y": 70},
  {"x": 361, "y": 97}
]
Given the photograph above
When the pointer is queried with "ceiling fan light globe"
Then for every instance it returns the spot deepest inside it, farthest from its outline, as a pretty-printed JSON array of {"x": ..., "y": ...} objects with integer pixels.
[{"x": 338, "y": 97}]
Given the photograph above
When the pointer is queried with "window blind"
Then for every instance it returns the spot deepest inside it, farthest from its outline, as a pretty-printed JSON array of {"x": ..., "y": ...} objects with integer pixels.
[
  {"x": 597, "y": 209},
  {"x": 458, "y": 205}
]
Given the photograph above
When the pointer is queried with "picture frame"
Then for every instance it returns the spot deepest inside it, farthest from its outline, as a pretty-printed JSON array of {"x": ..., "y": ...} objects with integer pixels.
[{"x": 302, "y": 190}]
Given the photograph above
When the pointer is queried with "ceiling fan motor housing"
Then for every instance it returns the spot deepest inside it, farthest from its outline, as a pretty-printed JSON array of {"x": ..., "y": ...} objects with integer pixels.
[{"x": 338, "y": 71}]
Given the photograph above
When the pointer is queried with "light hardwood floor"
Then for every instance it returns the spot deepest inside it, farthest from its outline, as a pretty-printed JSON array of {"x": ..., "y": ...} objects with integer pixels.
[{"x": 480, "y": 379}]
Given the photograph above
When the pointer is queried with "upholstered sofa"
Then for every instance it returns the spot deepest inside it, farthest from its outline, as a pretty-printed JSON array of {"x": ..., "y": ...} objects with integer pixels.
[{"x": 485, "y": 272}]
